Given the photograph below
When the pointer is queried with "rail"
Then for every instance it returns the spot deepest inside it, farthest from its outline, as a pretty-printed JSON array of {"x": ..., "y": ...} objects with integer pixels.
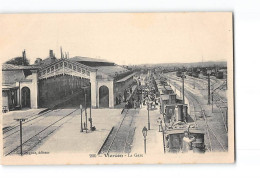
[
  {"x": 116, "y": 133},
  {"x": 208, "y": 128},
  {"x": 99, "y": 151},
  {"x": 31, "y": 138}
]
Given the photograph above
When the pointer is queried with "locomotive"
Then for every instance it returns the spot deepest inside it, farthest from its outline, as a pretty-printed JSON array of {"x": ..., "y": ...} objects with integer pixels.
[{"x": 178, "y": 123}]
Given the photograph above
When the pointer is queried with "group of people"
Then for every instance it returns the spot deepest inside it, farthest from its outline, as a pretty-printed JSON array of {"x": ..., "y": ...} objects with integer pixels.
[
  {"x": 119, "y": 99},
  {"x": 132, "y": 103}
]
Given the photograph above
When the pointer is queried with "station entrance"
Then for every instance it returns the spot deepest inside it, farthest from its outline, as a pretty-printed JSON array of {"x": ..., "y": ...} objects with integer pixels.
[
  {"x": 103, "y": 97},
  {"x": 26, "y": 97},
  {"x": 63, "y": 91}
]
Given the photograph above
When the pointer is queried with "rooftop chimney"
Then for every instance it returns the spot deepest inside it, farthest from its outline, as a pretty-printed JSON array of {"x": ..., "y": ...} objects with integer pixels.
[
  {"x": 24, "y": 57},
  {"x": 51, "y": 54}
]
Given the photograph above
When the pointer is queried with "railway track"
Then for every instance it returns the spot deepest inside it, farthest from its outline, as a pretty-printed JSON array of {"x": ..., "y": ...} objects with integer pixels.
[
  {"x": 30, "y": 121},
  {"x": 29, "y": 118},
  {"x": 210, "y": 132},
  {"x": 120, "y": 138},
  {"x": 201, "y": 82},
  {"x": 32, "y": 136},
  {"x": 221, "y": 103}
]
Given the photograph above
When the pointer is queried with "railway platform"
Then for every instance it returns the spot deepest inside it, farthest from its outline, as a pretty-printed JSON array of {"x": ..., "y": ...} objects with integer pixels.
[
  {"x": 154, "y": 139},
  {"x": 70, "y": 139}
]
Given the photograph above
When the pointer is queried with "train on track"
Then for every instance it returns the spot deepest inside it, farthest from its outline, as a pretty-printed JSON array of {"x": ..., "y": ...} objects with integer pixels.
[
  {"x": 194, "y": 74},
  {"x": 178, "y": 73},
  {"x": 213, "y": 72},
  {"x": 179, "y": 127}
]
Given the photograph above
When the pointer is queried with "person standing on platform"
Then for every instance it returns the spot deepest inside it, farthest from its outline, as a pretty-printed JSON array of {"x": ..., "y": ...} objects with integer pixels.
[{"x": 187, "y": 142}]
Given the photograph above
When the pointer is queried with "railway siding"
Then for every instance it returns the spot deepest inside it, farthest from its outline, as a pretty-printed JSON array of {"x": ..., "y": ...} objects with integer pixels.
[
  {"x": 216, "y": 138},
  {"x": 34, "y": 134},
  {"x": 121, "y": 138}
]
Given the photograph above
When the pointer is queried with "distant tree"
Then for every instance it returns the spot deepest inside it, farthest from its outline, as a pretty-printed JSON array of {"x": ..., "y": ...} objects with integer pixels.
[{"x": 18, "y": 61}]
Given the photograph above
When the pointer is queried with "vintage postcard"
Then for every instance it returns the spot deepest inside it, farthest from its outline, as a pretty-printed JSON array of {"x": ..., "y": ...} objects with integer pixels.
[{"x": 117, "y": 88}]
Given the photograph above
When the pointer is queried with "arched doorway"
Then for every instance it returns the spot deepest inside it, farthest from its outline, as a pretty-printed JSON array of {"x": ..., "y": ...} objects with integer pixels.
[
  {"x": 103, "y": 97},
  {"x": 26, "y": 97}
]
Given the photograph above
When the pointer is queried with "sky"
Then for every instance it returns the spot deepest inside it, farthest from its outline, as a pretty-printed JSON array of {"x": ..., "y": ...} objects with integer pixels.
[{"x": 123, "y": 38}]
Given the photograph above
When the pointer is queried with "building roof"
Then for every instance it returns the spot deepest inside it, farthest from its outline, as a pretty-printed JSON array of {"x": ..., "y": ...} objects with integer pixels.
[
  {"x": 88, "y": 59},
  {"x": 181, "y": 131},
  {"x": 165, "y": 97},
  {"x": 126, "y": 78},
  {"x": 12, "y": 76},
  {"x": 48, "y": 61},
  {"x": 18, "y": 67},
  {"x": 168, "y": 88},
  {"x": 111, "y": 70}
]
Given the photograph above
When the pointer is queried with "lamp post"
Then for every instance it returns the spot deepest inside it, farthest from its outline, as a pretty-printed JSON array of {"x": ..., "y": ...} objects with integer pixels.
[
  {"x": 160, "y": 124},
  {"x": 86, "y": 114},
  {"x": 21, "y": 135},
  {"x": 144, "y": 131}
]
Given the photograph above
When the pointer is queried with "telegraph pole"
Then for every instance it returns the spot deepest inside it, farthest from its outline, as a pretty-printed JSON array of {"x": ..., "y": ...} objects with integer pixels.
[
  {"x": 86, "y": 114},
  {"x": 21, "y": 134},
  {"x": 21, "y": 137},
  {"x": 85, "y": 88},
  {"x": 90, "y": 116},
  {"x": 212, "y": 101},
  {"x": 208, "y": 88},
  {"x": 183, "y": 100},
  {"x": 81, "y": 128}
]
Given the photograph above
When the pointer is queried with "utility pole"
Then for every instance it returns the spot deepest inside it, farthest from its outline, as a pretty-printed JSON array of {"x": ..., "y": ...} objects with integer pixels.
[
  {"x": 81, "y": 128},
  {"x": 85, "y": 88},
  {"x": 86, "y": 114},
  {"x": 21, "y": 135},
  {"x": 212, "y": 100},
  {"x": 90, "y": 108},
  {"x": 208, "y": 89},
  {"x": 183, "y": 100}
]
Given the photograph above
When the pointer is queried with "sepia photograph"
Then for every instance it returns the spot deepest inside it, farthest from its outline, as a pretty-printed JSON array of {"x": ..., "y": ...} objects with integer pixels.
[{"x": 117, "y": 88}]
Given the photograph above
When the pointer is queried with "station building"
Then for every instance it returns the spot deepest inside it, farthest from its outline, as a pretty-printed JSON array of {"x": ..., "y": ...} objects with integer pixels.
[
  {"x": 52, "y": 81},
  {"x": 19, "y": 86}
]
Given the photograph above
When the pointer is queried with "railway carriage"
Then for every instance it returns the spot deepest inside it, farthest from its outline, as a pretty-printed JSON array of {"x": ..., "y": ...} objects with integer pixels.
[
  {"x": 195, "y": 74},
  {"x": 178, "y": 73},
  {"x": 219, "y": 75}
]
